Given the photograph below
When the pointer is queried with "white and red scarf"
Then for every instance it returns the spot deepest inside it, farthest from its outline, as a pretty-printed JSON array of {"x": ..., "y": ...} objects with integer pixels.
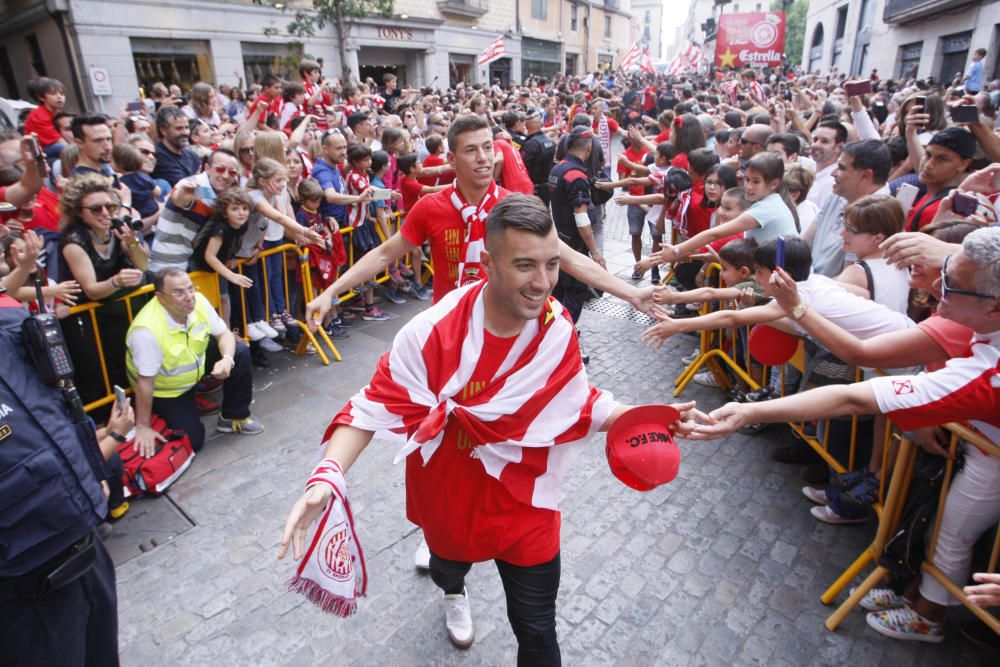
[
  {"x": 470, "y": 269},
  {"x": 527, "y": 424},
  {"x": 332, "y": 574}
]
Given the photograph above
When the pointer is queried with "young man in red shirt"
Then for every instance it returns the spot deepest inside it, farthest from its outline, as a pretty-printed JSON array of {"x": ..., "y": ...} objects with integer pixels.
[
  {"x": 482, "y": 485},
  {"x": 943, "y": 165},
  {"x": 270, "y": 97}
]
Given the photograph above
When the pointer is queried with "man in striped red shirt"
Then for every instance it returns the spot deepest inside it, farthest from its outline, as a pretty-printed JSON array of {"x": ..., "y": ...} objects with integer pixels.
[
  {"x": 966, "y": 389},
  {"x": 489, "y": 389}
]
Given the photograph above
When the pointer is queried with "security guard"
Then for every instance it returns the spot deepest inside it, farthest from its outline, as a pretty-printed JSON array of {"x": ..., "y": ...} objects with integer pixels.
[
  {"x": 539, "y": 154},
  {"x": 569, "y": 193},
  {"x": 57, "y": 583}
]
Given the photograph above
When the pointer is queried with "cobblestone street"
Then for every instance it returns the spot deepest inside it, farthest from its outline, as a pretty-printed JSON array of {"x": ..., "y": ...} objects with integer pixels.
[{"x": 723, "y": 566}]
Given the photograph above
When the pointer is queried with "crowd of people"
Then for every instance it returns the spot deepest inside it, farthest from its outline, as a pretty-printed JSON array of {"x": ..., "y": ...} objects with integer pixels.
[{"x": 858, "y": 214}]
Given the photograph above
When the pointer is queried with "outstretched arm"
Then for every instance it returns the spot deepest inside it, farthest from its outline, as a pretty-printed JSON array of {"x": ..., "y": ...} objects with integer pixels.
[{"x": 590, "y": 272}]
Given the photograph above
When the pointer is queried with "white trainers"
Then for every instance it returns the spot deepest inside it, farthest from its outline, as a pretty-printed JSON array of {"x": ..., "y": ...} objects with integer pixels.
[
  {"x": 254, "y": 332},
  {"x": 818, "y": 496},
  {"x": 269, "y": 345},
  {"x": 268, "y": 330},
  {"x": 422, "y": 557},
  {"x": 458, "y": 618},
  {"x": 706, "y": 379},
  {"x": 689, "y": 359}
]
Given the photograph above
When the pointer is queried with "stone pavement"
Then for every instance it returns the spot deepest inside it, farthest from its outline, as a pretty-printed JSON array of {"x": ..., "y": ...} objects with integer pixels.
[{"x": 724, "y": 566}]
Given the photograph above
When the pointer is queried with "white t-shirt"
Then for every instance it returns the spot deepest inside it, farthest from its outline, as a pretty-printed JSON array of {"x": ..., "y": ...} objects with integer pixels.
[
  {"x": 822, "y": 187},
  {"x": 275, "y": 232},
  {"x": 146, "y": 352},
  {"x": 256, "y": 224},
  {"x": 774, "y": 218},
  {"x": 852, "y": 313},
  {"x": 891, "y": 284}
]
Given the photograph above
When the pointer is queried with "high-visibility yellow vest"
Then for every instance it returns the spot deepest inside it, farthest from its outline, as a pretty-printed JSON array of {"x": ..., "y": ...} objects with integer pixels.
[{"x": 183, "y": 349}]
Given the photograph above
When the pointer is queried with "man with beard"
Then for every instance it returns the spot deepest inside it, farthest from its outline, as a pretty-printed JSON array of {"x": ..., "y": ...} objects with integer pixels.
[
  {"x": 174, "y": 160},
  {"x": 92, "y": 136},
  {"x": 828, "y": 140}
]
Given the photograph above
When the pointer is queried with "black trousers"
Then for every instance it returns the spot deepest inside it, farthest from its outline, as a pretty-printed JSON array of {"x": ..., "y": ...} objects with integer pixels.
[
  {"x": 75, "y": 626},
  {"x": 531, "y": 604},
  {"x": 237, "y": 393}
]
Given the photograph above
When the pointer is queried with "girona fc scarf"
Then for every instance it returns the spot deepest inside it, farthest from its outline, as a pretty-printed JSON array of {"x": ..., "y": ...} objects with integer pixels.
[
  {"x": 332, "y": 573},
  {"x": 526, "y": 425},
  {"x": 474, "y": 217}
]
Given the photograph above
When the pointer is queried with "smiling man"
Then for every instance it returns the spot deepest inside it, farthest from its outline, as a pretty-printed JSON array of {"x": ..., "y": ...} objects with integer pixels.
[{"x": 490, "y": 390}]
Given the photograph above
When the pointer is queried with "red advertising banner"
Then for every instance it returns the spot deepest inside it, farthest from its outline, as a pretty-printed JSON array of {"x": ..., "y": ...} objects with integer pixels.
[{"x": 755, "y": 39}]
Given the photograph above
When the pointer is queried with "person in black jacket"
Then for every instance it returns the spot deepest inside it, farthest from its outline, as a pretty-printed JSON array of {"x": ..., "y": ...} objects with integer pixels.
[{"x": 539, "y": 153}]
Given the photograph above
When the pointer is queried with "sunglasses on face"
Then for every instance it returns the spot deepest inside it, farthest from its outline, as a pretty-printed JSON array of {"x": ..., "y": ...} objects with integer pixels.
[
  {"x": 97, "y": 208},
  {"x": 946, "y": 289},
  {"x": 245, "y": 150},
  {"x": 221, "y": 171}
]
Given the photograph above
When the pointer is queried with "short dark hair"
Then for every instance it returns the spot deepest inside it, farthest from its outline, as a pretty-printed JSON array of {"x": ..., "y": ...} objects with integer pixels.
[
  {"x": 700, "y": 160},
  {"x": 160, "y": 277},
  {"x": 357, "y": 152},
  {"x": 290, "y": 90},
  {"x": 356, "y": 119},
  {"x": 461, "y": 125},
  {"x": 309, "y": 188},
  {"x": 517, "y": 211},
  {"x": 38, "y": 87},
  {"x": 798, "y": 258},
  {"x": 666, "y": 150},
  {"x": 433, "y": 144},
  {"x": 221, "y": 151},
  {"x": 269, "y": 80},
  {"x": 229, "y": 197},
  {"x": 789, "y": 142},
  {"x": 126, "y": 158},
  {"x": 306, "y": 66},
  {"x": 837, "y": 127},
  {"x": 871, "y": 154},
  {"x": 406, "y": 162},
  {"x": 510, "y": 118},
  {"x": 739, "y": 253},
  {"x": 90, "y": 120},
  {"x": 65, "y": 114}
]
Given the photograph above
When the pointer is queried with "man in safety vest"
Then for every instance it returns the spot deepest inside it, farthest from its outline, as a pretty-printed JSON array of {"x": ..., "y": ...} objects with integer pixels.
[{"x": 168, "y": 342}]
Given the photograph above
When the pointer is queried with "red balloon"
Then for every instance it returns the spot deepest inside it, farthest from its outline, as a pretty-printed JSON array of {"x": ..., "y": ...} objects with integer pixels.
[{"x": 640, "y": 448}]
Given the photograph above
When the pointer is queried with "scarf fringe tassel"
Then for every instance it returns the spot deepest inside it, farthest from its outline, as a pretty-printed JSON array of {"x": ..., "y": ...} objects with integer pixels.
[{"x": 326, "y": 601}]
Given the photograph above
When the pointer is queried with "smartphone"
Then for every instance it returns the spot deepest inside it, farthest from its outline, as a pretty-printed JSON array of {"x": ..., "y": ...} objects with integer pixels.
[
  {"x": 964, "y": 205},
  {"x": 920, "y": 101},
  {"x": 858, "y": 88},
  {"x": 966, "y": 113},
  {"x": 134, "y": 107},
  {"x": 779, "y": 260},
  {"x": 381, "y": 194},
  {"x": 906, "y": 194},
  {"x": 39, "y": 157},
  {"x": 121, "y": 398}
]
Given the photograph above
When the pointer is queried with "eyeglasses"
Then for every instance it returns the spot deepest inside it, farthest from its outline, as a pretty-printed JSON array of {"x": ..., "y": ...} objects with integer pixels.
[
  {"x": 713, "y": 183},
  {"x": 97, "y": 208},
  {"x": 220, "y": 170},
  {"x": 946, "y": 290},
  {"x": 246, "y": 149}
]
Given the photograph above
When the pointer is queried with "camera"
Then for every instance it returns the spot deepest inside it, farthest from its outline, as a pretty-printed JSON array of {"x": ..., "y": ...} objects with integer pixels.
[{"x": 125, "y": 222}]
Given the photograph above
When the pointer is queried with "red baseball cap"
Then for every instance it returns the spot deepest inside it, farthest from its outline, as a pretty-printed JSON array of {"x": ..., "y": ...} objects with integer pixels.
[
  {"x": 771, "y": 346},
  {"x": 640, "y": 448}
]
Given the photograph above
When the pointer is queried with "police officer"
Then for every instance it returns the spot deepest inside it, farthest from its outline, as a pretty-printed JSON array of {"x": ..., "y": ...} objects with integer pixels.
[
  {"x": 57, "y": 583},
  {"x": 569, "y": 195},
  {"x": 538, "y": 152}
]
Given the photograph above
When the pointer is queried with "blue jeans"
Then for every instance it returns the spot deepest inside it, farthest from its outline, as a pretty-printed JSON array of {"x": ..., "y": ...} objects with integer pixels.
[{"x": 275, "y": 278}]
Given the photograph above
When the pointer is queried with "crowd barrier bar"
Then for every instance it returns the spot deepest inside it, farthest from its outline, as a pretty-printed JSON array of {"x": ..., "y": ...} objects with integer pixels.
[{"x": 892, "y": 512}]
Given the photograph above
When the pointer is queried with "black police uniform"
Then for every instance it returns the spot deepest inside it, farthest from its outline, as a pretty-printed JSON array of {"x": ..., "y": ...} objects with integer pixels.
[
  {"x": 569, "y": 187},
  {"x": 538, "y": 153},
  {"x": 57, "y": 582}
]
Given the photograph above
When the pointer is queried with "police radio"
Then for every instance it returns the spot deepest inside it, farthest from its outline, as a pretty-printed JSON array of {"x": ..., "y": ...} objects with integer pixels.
[{"x": 43, "y": 337}]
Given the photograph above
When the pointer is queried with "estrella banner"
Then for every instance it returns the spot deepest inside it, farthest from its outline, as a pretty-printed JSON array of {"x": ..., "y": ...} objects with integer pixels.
[{"x": 755, "y": 39}]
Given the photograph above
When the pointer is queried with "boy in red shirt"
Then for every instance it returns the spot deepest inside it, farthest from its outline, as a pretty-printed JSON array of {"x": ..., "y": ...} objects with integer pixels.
[
  {"x": 410, "y": 187},
  {"x": 270, "y": 98},
  {"x": 51, "y": 96},
  {"x": 435, "y": 153}
]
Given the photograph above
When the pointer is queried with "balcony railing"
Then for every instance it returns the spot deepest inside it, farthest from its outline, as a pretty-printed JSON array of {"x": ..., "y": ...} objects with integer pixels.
[
  {"x": 904, "y": 11},
  {"x": 464, "y": 8}
]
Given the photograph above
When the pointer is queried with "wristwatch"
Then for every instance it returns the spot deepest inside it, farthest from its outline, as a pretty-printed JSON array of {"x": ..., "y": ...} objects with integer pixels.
[{"x": 800, "y": 310}]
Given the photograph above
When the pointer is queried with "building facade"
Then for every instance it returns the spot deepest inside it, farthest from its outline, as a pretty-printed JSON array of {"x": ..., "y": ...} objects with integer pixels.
[
  {"x": 901, "y": 37},
  {"x": 648, "y": 15},
  {"x": 104, "y": 51}
]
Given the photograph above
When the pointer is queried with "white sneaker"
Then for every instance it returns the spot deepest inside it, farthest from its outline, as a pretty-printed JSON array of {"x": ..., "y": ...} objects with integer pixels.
[
  {"x": 689, "y": 359},
  {"x": 269, "y": 345},
  {"x": 254, "y": 332},
  {"x": 706, "y": 379},
  {"x": 268, "y": 330},
  {"x": 818, "y": 496},
  {"x": 458, "y": 618},
  {"x": 422, "y": 557}
]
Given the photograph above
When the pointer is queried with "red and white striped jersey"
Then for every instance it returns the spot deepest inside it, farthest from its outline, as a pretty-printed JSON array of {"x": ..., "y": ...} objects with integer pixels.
[{"x": 357, "y": 182}]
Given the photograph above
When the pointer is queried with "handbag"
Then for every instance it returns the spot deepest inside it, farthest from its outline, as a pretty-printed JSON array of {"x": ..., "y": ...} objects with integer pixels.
[{"x": 153, "y": 476}]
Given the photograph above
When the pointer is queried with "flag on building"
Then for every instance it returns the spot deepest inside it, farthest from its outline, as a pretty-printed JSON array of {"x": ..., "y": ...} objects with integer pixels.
[{"x": 492, "y": 52}]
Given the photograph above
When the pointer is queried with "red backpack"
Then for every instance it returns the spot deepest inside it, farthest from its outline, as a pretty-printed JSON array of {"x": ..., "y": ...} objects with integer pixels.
[{"x": 153, "y": 476}]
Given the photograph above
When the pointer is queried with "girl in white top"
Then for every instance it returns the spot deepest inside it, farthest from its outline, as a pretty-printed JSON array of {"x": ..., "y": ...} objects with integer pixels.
[
  {"x": 772, "y": 213},
  {"x": 867, "y": 222}
]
